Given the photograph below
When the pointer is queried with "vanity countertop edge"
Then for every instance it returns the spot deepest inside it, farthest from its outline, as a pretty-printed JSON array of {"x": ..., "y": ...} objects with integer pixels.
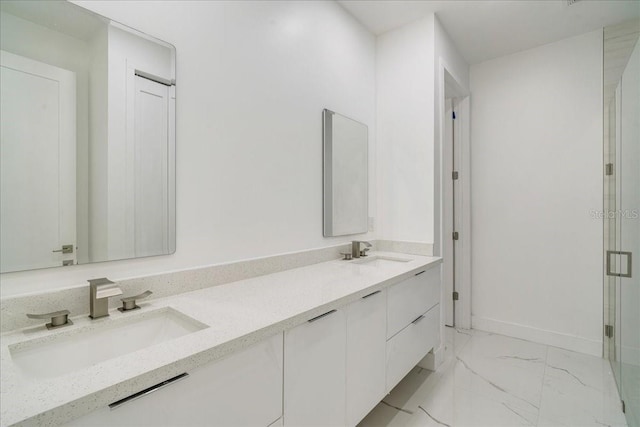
[{"x": 238, "y": 314}]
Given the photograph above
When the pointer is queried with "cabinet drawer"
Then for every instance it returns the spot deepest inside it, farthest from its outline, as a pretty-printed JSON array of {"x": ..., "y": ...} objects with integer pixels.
[
  {"x": 410, "y": 345},
  {"x": 412, "y": 297}
]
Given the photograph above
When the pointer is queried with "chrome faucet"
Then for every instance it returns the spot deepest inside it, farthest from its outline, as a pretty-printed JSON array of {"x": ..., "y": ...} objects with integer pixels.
[
  {"x": 99, "y": 292},
  {"x": 356, "y": 252}
]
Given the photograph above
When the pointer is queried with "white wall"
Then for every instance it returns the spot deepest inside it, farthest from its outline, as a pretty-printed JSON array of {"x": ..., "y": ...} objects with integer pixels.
[
  {"x": 405, "y": 132},
  {"x": 98, "y": 143},
  {"x": 447, "y": 54},
  {"x": 536, "y": 126},
  {"x": 252, "y": 80},
  {"x": 408, "y": 66},
  {"x": 447, "y": 59}
]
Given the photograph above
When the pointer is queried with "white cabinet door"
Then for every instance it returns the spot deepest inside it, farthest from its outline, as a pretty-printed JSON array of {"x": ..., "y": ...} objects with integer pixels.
[
  {"x": 244, "y": 389},
  {"x": 366, "y": 354},
  {"x": 314, "y": 372}
]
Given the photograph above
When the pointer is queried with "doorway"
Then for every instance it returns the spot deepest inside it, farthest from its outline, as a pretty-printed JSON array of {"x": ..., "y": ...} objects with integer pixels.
[{"x": 455, "y": 204}]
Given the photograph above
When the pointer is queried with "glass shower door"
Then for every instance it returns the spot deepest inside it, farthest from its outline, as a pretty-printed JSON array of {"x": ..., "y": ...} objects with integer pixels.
[
  {"x": 630, "y": 236},
  {"x": 622, "y": 224}
]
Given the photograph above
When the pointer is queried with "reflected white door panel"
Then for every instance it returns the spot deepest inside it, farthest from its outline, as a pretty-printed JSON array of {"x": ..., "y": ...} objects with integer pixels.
[
  {"x": 151, "y": 140},
  {"x": 38, "y": 170}
]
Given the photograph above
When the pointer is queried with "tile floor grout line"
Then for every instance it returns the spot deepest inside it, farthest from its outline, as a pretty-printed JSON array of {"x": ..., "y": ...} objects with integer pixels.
[
  {"x": 470, "y": 335},
  {"x": 569, "y": 373},
  {"x": 496, "y": 386},
  {"x": 544, "y": 375},
  {"x": 517, "y": 413},
  {"x": 406, "y": 411},
  {"x": 432, "y": 417}
]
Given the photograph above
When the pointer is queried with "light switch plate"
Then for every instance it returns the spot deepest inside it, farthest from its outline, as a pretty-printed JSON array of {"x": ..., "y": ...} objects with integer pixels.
[{"x": 371, "y": 225}]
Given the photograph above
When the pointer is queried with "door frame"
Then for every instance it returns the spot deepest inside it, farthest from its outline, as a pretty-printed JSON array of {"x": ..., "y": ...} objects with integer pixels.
[{"x": 448, "y": 83}]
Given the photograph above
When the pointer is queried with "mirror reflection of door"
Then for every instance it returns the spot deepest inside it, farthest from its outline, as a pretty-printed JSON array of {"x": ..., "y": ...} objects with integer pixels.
[
  {"x": 150, "y": 181},
  {"x": 38, "y": 164}
]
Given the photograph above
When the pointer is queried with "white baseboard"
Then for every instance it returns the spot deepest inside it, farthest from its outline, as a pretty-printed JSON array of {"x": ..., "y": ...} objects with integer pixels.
[{"x": 542, "y": 336}]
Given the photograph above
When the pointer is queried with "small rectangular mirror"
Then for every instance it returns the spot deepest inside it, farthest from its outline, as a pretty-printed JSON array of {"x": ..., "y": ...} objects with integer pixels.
[{"x": 346, "y": 175}]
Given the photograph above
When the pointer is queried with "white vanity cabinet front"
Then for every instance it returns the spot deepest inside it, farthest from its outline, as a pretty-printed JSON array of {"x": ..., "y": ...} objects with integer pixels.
[
  {"x": 366, "y": 349},
  {"x": 410, "y": 345},
  {"x": 243, "y": 389},
  {"x": 314, "y": 371},
  {"x": 413, "y": 328}
]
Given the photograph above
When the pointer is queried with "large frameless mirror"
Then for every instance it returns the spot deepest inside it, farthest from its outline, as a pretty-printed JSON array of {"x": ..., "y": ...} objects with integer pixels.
[
  {"x": 87, "y": 138},
  {"x": 346, "y": 176}
]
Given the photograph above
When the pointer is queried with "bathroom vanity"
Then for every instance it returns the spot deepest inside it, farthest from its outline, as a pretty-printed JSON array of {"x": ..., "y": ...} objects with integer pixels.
[{"x": 317, "y": 345}]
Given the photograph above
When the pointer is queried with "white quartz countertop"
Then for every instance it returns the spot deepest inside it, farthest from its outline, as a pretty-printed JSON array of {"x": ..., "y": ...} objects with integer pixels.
[{"x": 237, "y": 314}]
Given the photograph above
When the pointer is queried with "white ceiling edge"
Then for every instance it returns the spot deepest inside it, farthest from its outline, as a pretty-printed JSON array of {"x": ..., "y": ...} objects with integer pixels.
[{"x": 487, "y": 29}]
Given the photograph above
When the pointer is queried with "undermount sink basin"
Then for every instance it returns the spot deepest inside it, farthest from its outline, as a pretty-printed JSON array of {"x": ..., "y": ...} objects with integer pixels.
[
  {"x": 57, "y": 355},
  {"x": 380, "y": 261}
]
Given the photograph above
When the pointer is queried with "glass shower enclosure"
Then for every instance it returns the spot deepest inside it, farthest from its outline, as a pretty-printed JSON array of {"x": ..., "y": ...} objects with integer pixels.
[{"x": 621, "y": 214}]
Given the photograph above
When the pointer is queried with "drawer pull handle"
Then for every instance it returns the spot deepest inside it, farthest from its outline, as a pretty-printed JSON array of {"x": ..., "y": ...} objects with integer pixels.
[
  {"x": 423, "y": 271},
  {"x": 147, "y": 391},
  {"x": 321, "y": 316},
  {"x": 418, "y": 319},
  {"x": 371, "y": 294}
]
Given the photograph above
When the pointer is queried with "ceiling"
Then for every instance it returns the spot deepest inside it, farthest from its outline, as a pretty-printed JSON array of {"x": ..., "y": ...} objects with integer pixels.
[
  {"x": 483, "y": 29},
  {"x": 59, "y": 16}
]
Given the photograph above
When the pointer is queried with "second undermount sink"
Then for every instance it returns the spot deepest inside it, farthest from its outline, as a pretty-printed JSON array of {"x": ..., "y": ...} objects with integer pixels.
[
  {"x": 57, "y": 355},
  {"x": 380, "y": 261}
]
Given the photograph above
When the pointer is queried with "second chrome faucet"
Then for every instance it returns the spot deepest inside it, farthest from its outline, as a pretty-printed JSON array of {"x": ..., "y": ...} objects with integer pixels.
[{"x": 357, "y": 251}]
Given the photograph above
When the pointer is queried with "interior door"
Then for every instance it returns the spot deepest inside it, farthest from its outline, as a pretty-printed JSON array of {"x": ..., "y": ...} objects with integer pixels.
[
  {"x": 38, "y": 128},
  {"x": 150, "y": 177}
]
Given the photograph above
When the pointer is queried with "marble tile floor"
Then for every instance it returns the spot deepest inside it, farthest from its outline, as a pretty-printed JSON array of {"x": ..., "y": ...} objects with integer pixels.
[{"x": 494, "y": 380}]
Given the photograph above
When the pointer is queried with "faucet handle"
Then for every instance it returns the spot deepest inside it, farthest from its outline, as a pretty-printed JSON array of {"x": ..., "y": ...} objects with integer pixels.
[
  {"x": 129, "y": 303},
  {"x": 58, "y": 318}
]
